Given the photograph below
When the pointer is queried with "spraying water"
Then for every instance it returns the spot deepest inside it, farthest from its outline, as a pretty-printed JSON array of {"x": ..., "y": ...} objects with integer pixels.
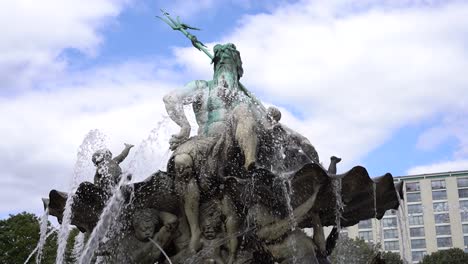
[
  {"x": 37, "y": 247},
  {"x": 142, "y": 163},
  {"x": 92, "y": 142},
  {"x": 111, "y": 212},
  {"x": 43, "y": 235},
  {"x": 78, "y": 246},
  {"x": 162, "y": 250}
]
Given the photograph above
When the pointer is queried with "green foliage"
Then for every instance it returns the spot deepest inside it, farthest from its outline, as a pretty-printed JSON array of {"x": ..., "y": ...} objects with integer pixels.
[
  {"x": 449, "y": 256},
  {"x": 392, "y": 258},
  {"x": 357, "y": 251},
  {"x": 19, "y": 235}
]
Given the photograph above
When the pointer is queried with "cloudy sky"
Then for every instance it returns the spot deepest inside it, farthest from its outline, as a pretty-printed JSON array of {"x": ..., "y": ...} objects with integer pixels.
[{"x": 382, "y": 84}]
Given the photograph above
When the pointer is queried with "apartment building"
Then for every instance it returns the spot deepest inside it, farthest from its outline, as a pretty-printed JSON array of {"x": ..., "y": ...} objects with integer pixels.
[{"x": 434, "y": 216}]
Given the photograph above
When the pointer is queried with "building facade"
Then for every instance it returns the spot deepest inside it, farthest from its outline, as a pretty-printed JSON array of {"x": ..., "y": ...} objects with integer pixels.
[{"x": 434, "y": 216}]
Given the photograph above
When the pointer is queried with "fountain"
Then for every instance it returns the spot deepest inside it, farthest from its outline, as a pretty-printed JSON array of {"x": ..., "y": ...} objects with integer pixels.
[{"x": 240, "y": 191}]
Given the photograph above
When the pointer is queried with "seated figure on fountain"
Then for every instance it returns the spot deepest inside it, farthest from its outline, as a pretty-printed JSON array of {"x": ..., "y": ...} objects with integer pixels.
[
  {"x": 236, "y": 135},
  {"x": 227, "y": 117},
  {"x": 108, "y": 171}
]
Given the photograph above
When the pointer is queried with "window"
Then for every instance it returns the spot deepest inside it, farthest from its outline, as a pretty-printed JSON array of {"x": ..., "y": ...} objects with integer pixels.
[
  {"x": 416, "y": 220},
  {"x": 415, "y": 209},
  {"x": 465, "y": 228},
  {"x": 440, "y": 207},
  {"x": 366, "y": 235},
  {"x": 463, "y": 193},
  {"x": 439, "y": 195},
  {"x": 464, "y": 216},
  {"x": 462, "y": 182},
  {"x": 412, "y": 187},
  {"x": 413, "y": 197},
  {"x": 444, "y": 242},
  {"x": 417, "y": 255},
  {"x": 390, "y": 233},
  {"x": 365, "y": 224},
  {"x": 438, "y": 184},
  {"x": 465, "y": 239},
  {"x": 418, "y": 243},
  {"x": 442, "y": 218},
  {"x": 392, "y": 245},
  {"x": 417, "y": 231},
  {"x": 389, "y": 222},
  {"x": 443, "y": 230},
  {"x": 464, "y": 205}
]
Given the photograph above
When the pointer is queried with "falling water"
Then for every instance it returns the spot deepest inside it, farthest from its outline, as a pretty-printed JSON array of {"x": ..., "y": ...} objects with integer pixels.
[
  {"x": 111, "y": 212},
  {"x": 37, "y": 247},
  {"x": 92, "y": 142},
  {"x": 287, "y": 190},
  {"x": 401, "y": 218},
  {"x": 162, "y": 250},
  {"x": 374, "y": 196},
  {"x": 78, "y": 246},
  {"x": 336, "y": 184},
  {"x": 43, "y": 235}
]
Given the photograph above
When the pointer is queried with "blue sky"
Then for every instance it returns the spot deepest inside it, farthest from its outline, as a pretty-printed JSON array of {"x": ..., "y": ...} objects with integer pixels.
[{"x": 379, "y": 83}]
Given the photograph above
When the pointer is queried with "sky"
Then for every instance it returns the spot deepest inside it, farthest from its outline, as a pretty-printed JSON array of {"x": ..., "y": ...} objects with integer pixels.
[{"x": 382, "y": 84}]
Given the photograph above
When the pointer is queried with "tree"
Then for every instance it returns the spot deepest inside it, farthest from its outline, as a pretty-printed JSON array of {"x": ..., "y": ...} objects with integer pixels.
[
  {"x": 19, "y": 235},
  {"x": 392, "y": 258},
  {"x": 449, "y": 256},
  {"x": 357, "y": 251}
]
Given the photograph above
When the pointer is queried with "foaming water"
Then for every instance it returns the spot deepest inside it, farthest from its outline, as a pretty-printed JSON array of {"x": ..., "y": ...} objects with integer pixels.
[
  {"x": 43, "y": 235},
  {"x": 92, "y": 142}
]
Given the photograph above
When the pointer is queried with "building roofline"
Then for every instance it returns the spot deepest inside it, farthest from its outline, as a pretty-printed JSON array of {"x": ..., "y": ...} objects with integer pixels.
[{"x": 432, "y": 175}]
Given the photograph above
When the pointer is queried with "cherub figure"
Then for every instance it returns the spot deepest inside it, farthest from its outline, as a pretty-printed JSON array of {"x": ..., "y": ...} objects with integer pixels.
[
  {"x": 290, "y": 137},
  {"x": 136, "y": 246},
  {"x": 108, "y": 171},
  {"x": 211, "y": 240}
]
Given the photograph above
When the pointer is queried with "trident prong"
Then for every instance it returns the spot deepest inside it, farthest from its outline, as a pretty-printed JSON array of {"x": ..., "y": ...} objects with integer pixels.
[{"x": 182, "y": 27}]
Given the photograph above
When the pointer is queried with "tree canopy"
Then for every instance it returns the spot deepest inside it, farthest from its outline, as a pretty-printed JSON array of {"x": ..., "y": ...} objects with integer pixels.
[
  {"x": 357, "y": 251},
  {"x": 449, "y": 256},
  {"x": 19, "y": 235}
]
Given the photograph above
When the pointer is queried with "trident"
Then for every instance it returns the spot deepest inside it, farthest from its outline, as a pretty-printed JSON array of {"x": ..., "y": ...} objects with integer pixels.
[{"x": 182, "y": 27}]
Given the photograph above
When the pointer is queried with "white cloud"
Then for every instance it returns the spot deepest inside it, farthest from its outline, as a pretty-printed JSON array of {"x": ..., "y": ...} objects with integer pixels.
[
  {"x": 444, "y": 166},
  {"x": 352, "y": 79},
  {"x": 356, "y": 72},
  {"x": 35, "y": 33},
  {"x": 42, "y": 131}
]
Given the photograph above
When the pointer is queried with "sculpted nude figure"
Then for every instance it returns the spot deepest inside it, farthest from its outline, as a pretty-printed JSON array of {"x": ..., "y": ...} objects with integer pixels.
[
  {"x": 223, "y": 109},
  {"x": 108, "y": 171},
  {"x": 147, "y": 223}
]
